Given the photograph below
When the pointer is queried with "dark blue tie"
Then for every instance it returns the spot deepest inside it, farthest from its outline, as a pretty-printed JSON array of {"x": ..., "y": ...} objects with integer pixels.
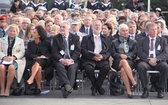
[
  {"x": 66, "y": 55},
  {"x": 3, "y": 33}
]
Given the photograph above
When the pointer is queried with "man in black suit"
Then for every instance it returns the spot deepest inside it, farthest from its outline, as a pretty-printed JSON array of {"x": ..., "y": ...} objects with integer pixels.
[
  {"x": 95, "y": 55},
  {"x": 86, "y": 27},
  {"x": 152, "y": 51},
  {"x": 66, "y": 52}
]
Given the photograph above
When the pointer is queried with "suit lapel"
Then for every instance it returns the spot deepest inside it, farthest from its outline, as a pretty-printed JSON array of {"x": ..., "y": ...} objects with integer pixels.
[
  {"x": 157, "y": 43},
  {"x": 147, "y": 45},
  {"x": 69, "y": 41}
]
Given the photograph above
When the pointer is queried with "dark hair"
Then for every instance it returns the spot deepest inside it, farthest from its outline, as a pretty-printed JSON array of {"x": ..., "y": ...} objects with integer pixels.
[
  {"x": 109, "y": 27},
  {"x": 41, "y": 31}
]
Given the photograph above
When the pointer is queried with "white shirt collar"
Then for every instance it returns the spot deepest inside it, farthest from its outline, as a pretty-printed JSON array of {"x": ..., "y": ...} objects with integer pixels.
[{"x": 96, "y": 35}]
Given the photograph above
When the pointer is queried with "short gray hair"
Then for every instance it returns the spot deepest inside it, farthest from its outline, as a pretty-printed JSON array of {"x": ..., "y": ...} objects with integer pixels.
[
  {"x": 150, "y": 25},
  {"x": 121, "y": 26}
]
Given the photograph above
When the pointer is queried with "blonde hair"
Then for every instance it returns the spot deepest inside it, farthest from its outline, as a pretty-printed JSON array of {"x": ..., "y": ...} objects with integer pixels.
[
  {"x": 112, "y": 19},
  {"x": 56, "y": 27},
  {"x": 15, "y": 27}
]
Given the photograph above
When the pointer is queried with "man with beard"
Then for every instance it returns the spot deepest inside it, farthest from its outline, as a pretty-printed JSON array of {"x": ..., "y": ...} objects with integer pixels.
[{"x": 95, "y": 55}]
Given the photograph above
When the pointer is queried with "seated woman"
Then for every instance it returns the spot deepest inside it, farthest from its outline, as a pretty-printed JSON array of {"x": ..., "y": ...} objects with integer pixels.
[
  {"x": 12, "y": 55},
  {"x": 124, "y": 52},
  {"x": 37, "y": 53}
]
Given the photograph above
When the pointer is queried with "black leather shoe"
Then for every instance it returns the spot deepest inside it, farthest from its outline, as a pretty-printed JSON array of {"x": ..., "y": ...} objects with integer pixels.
[
  {"x": 37, "y": 92},
  {"x": 28, "y": 92},
  {"x": 130, "y": 96},
  {"x": 152, "y": 89},
  {"x": 145, "y": 94},
  {"x": 64, "y": 92},
  {"x": 94, "y": 91},
  {"x": 101, "y": 91},
  {"x": 160, "y": 94}
]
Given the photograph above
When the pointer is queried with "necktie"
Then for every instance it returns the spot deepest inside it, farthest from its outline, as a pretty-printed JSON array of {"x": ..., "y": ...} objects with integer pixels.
[
  {"x": 87, "y": 31},
  {"x": 3, "y": 33},
  {"x": 152, "y": 44},
  {"x": 152, "y": 47},
  {"x": 97, "y": 47},
  {"x": 66, "y": 55}
]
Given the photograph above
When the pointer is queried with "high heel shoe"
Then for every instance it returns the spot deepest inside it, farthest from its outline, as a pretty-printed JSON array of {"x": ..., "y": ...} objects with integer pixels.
[
  {"x": 130, "y": 96},
  {"x": 133, "y": 87}
]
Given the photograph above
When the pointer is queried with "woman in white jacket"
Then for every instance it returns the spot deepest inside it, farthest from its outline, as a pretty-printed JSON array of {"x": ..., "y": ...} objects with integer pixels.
[{"x": 12, "y": 53}]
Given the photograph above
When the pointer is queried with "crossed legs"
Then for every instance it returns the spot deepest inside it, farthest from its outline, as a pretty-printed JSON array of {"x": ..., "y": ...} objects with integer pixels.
[{"x": 127, "y": 75}]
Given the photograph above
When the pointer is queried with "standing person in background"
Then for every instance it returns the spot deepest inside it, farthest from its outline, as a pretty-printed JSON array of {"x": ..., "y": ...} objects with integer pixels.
[
  {"x": 133, "y": 5},
  {"x": 106, "y": 5},
  {"x": 76, "y": 4},
  {"x": 35, "y": 4},
  {"x": 60, "y": 4},
  {"x": 25, "y": 3},
  {"x": 16, "y": 6},
  {"x": 92, "y": 4}
]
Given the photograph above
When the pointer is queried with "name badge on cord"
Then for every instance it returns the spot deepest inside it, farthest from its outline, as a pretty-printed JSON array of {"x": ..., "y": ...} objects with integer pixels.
[
  {"x": 72, "y": 47},
  {"x": 62, "y": 52},
  {"x": 159, "y": 47}
]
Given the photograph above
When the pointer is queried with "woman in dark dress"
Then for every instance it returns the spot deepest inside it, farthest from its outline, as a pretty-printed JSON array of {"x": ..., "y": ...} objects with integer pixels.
[
  {"x": 124, "y": 52},
  {"x": 37, "y": 55}
]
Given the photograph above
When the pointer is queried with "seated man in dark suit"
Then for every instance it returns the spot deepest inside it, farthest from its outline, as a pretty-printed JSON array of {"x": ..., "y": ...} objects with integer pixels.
[
  {"x": 95, "y": 55},
  {"x": 152, "y": 51},
  {"x": 66, "y": 51},
  {"x": 86, "y": 27}
]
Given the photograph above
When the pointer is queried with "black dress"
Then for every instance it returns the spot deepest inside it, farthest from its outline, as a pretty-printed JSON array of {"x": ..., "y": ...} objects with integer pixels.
[
  {"x": 34, "y": 50},
  {"x": 124, "y": 46}
]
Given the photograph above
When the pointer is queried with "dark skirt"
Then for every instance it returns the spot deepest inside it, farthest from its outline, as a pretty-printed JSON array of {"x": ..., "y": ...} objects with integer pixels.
[
  {"x": 116, "y": 63},
  {"x": 30, "y": 63}
]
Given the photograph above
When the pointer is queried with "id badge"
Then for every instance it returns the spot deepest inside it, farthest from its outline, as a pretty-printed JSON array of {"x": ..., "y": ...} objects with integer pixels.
[
  {"x": 62, "y": 52},
  {"x": 72, "y": 47}
]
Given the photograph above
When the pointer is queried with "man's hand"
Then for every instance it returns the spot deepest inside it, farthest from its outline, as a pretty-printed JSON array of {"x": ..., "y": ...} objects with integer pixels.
[
  {"x": 98, "y": 57},
  {"x": 67, "y": 62},
  {"x": 123, "y": 56},
  {"x": 42, "y": 56},
  {"x": 152, "y": 61}
]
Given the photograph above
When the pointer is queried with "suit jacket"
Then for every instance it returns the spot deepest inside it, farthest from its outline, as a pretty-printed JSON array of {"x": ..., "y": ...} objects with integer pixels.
[
  {"x": 18, "y": 51},
  {"x": 143, "y": 49},
  {"x": 132, "y": 54},
  {"x": 82, "y": 29},
  {"x": 140, "y": 36},
  {"x": 21, "y": 34},
  {"x": 74, "y": 47},
  {"x": 1, "y": 34},
  {"x": 44, "y": 47},
  {"x": 88, "y": 45}
]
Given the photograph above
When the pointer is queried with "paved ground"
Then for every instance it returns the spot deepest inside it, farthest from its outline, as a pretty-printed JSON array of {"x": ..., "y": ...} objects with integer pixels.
[{"x": 76, "y": 98}]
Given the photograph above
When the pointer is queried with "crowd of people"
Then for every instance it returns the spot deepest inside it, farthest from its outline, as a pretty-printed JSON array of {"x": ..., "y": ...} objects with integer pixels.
[{"x": 34, "y": 37}]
